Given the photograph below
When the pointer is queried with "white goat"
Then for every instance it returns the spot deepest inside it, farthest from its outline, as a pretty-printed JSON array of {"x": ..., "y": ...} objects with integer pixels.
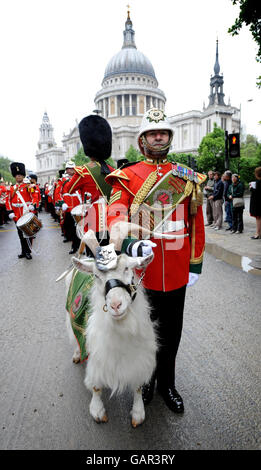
[{"x": 120, "y": 336}]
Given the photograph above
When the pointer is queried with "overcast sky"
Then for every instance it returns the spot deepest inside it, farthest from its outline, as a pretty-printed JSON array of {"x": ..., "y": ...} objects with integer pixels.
[{"x": 54, "y": 54}]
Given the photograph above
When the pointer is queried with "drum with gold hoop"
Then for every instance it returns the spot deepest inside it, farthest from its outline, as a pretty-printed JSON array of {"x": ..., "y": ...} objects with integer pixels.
[{"x": 29, "y": 224}]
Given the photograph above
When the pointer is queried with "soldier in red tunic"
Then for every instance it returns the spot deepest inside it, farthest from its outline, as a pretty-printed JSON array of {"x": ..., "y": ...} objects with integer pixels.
[
  {"x": 69, "y": 201},
  {"x": 35, "y": 188},
  {"x": 3, "y": 195},
  {"x": 89, "y": 180},
  {"x": 19, "y": 201},
  {"x": 165, "y": 198}
]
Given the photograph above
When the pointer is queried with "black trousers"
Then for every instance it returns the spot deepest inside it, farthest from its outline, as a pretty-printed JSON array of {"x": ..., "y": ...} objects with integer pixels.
[
  {"x": 25, "y": 246},
  {"x": 238, "y": 219},
  {"x": 167, "y": 313},
  {"x": 69, "y": 226}
]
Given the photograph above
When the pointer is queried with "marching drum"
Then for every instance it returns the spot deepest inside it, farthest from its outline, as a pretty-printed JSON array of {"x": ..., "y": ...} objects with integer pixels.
[{"x": 29, "y": 224}]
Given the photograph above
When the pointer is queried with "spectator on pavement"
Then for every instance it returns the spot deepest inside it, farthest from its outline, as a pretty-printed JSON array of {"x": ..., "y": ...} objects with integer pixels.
[
  {"x": 235, "y": 194},
  {"x": 255, "y": 202},
  {"x": 208, "y": 191},
  {"x": 217, "y": 197},
  {"x": 228, "y": 204}
]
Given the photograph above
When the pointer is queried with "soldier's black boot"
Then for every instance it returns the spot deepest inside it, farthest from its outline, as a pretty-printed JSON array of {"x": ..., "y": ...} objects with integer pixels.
[
  {"x": 148, "y": 390},
  {"x": 172, "y": 398}
]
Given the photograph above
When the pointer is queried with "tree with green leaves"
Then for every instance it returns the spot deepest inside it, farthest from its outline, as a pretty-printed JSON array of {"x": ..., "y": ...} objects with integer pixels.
[
  {"x": 5, "y": 170},
  {"x": 250, "y": 158},
  {"x": 250, "y": 15},
  {"x": 80, "y": 159},
  {"x": 133, "y": 155},
  {"x": 183, "y": 158},
  {"x": 211, "y": 151}
]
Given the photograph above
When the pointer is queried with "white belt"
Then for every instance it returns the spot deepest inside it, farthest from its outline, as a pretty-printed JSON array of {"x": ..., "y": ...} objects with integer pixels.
[
  {"x": 172, "y": 226},
  {"x": 18, "y": 204}
]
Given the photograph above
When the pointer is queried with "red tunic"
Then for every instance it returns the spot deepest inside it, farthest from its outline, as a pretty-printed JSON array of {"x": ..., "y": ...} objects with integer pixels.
[
  {"x": 83, "y": 182},
  {"x": 14, "y": 202},
  {"x": 173, "y": 259}
]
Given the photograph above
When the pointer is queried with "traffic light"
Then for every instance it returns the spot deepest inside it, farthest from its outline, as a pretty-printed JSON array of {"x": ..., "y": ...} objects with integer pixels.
[{"x": 234, "y": 145}]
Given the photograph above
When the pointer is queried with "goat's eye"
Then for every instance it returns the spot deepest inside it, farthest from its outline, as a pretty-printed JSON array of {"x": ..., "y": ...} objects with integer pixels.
[{"x": 126, "y": 270}]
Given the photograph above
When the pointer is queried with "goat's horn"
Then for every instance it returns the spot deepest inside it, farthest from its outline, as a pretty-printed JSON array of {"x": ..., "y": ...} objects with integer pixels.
[
  {"x": 91, "y": 241},
  {"x": 120, "y": 231}
]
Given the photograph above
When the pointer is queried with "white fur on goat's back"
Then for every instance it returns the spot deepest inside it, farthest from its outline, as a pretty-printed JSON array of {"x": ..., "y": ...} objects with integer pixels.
[{"x": 121, "y": 353}]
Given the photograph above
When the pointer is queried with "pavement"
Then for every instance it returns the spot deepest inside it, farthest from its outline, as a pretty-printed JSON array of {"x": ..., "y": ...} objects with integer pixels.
[
  {"x": 236, "y": 249},
  {"x": 44, "y": 404}
]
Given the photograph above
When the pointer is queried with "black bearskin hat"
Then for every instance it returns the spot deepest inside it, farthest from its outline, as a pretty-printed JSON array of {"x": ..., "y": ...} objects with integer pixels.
[
  {"x": 17, "y": 168},
  {"x": 96, "y": 137}
]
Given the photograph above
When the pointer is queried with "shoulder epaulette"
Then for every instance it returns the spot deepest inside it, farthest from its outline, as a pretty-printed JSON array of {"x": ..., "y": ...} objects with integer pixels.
[
  {"x": 82, "y": 170},
  {"x": 117, "y": 174}
]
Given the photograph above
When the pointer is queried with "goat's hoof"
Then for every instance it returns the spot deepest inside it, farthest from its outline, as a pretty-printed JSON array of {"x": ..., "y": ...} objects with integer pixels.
[
  {"x": 76, "y": 358},
  {"x": 135, "y": 423},
  {"x": 104, "y": 419}
]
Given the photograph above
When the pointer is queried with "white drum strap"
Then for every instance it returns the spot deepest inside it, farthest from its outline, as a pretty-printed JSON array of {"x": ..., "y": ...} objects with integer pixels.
[
  {"x": 23, "y": 201},
  {"x": 79, "y": 196}
]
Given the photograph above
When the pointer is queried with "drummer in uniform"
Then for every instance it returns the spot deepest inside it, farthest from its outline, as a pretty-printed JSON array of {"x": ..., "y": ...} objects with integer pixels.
[
  {"x": 165, "y": 198},
  {"x": 89, "y": 180},
  {"x": 19, "y": 201}
]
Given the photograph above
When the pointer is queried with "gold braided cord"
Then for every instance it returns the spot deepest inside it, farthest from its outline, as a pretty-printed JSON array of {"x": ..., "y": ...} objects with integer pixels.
[
  {"x": 193, "y": 202},
  {"x": 199, "y": 196},
  {"x": 188, "y": 188},
  {"x": 143, "y": 191}
]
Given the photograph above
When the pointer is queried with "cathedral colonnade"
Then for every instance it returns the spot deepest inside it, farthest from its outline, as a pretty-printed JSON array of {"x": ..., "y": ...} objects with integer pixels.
[{"x": 128, "y": 104}]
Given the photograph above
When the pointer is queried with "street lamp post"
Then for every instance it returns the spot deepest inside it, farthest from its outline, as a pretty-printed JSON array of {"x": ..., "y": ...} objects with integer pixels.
[{"x": 226, "y": 151}]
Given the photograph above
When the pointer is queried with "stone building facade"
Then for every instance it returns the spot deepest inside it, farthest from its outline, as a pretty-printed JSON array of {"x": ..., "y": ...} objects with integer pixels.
[
  {"x": 49, "y": 157},
  {"x": 129, "y": 89}
]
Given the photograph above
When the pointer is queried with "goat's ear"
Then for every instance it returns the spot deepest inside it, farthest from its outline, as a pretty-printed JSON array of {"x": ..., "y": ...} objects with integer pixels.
[
  {"x": 140, "y": 262},
  {"x": 85, "y": 265}
]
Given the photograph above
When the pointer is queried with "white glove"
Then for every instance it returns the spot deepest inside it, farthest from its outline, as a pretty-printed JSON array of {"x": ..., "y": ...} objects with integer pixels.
[
  {"x": 141, "y": 248},
  {"x": 193, "y": 277},
  {"x": 31, "y": 207},
  {"x": 64, "y": 206},
  {"x": 11, "y": 215},
  {"x": 252, "y": 184}
]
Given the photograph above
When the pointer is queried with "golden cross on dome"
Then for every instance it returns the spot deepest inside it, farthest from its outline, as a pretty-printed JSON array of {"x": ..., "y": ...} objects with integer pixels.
[{"x": 128, "y": 6}]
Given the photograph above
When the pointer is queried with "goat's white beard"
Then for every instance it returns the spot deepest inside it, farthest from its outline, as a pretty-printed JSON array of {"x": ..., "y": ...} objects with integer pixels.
[{"x": 122, "y": 353}]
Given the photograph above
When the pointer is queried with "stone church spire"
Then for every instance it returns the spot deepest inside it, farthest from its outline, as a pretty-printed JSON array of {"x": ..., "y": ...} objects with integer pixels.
[
  {"x": 216, "y": 84},
  {"x": 46, "y": 139},
  {"x": 128, "y": 33},
  {"x": 216, "y": 66}
]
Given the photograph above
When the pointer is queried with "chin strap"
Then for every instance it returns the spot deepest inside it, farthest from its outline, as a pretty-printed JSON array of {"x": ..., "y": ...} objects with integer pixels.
[{"x": 155, "y": 153}]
